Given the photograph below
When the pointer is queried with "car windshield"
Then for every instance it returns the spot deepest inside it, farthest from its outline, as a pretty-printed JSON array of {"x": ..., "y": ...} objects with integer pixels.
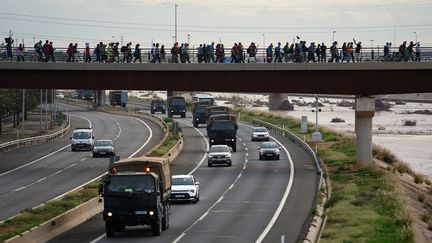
[
  {"x": 220, "y": 149},
  {"x": 260, "y": 129},
  {"x": 182, "y": 181},
  {"x": 104, "y": 143},
  {"x": 82, "y": 135},
  {"x": 135, "y": 183},
  {"x": 269, "y": 145}
]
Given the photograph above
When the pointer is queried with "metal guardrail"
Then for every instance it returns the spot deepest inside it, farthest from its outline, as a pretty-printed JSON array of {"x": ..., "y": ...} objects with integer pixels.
[
  {"x": 38, "y": 139},
  {"x": 297, "y": 140},
  {"x": 367, "y": 54}
]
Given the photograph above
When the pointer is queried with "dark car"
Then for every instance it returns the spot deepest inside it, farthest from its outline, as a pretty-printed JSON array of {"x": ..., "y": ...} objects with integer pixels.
[
  {"x": 103, "y": 148},
  {"x": 158, "y": 106},
  {"x": 269, "y": 150}
]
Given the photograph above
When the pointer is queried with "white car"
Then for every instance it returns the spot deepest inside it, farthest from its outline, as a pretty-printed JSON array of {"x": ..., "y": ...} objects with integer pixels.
[
  {"x": 260, "y": 133},
  {"x": 184, "y": 188},
  {"x": 82, "y": 139},
  {"x": 219, "y": 154}
]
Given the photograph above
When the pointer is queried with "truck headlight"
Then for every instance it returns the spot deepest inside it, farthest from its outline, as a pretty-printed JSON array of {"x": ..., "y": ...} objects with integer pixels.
[
  {"x": 151, "y": 213},
  {"x": 232, "y": 139},
  {"x": 109, "y": 214}
]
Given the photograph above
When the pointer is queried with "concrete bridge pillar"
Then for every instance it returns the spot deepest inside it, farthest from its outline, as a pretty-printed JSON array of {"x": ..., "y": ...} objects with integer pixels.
[
  {"x": 364, "y": 112},
  {"x": 275, "y": 100},
  {"x": 100, "y": 97}
]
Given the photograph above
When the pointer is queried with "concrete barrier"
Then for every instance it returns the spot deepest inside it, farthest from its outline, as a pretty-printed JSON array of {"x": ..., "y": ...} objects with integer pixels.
[{"x": 60, "y": 224}]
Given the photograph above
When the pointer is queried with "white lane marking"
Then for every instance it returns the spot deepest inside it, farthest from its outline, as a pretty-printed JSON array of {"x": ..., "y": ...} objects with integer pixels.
[
  {"x": 207, "y": 147},
  {"x": 98, "y": 239},
  {"x": 19, "y": 189},
  {"x": 40, "y": 180},
  {"x": 44, "y": 157},
  {"x": 246, "y": 149},
  {"x": 119, "y": 128},
  {"x": 70, "y": 166},
  {"x": 239, "y": 139},
  {"x": 83, "y": 159}
]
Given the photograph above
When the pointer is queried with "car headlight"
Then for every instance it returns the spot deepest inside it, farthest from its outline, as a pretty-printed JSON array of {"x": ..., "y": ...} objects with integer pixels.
[
  {"x": 277, "y": 151},
  {"x": 261, "y": 152},
  {"x": 210, "y": 156},
  {"x": 183, "y": 110},
  {"x": 172, "y": 110},
  {"x": 154, "y": 107},
  {"x": 192, "y": 190}
]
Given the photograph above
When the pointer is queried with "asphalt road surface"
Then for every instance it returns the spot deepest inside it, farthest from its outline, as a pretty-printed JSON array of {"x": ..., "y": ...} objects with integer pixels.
[
  {"x": 33, "y": 175},
  {"x": 250, "y": 200}
]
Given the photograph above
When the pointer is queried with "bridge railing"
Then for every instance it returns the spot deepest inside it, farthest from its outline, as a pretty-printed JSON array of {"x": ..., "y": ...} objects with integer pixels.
[
  {"x": 368, "y": 54},
  {"x": 38, "y": 139},
  {"x": 297, "y": 140}
]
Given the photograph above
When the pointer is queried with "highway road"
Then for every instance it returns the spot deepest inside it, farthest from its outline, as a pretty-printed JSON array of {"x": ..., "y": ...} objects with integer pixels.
[
  {"x": 33, "y": 175},
  {"x": 249, "y": 201}
]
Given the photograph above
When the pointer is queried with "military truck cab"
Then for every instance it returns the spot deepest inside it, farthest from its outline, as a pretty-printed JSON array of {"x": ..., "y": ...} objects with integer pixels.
[
  {"x": 136, "y": 192},
  {"x": 222, "y": 129},
  {"x": 176, "y": 105}
]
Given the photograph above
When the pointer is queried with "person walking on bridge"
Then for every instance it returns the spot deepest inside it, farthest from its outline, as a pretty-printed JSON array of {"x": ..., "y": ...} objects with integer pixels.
[
  {"x": 20, "y": 53},
  {"x": 358, "y": 49},
  {"x": 87, "y": 56},
  {"x": 417, "y": 52},
  {"x": 252, "y": 50},
  {"x": 269, "y": 53},
  {"x": 323, "y": 52},
  {"x": 278, "y": 57},
  {"x": 137, "y": 53},
  {"x": 334, "y": 52}
]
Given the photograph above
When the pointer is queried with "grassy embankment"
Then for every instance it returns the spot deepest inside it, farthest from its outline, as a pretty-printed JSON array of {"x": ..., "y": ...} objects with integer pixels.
[
  {"x": 366, "y": 205},
  {"x": 30, "y": 218}
]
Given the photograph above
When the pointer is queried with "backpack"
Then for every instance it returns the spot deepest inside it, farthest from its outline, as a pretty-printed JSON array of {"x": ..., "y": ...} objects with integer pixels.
[
  {"x": 173, "y": 50},
  {"x": 123, "y": 49}
]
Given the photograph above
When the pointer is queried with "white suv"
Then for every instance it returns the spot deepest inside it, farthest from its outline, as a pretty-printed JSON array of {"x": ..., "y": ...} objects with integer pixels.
[
  {"x": 184, "y": 188},
  {"x": 82, "y": 139}
]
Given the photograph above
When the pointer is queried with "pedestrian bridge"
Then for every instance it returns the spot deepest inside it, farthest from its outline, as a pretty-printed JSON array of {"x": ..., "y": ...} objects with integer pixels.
[{"x": 313, "y": 78}]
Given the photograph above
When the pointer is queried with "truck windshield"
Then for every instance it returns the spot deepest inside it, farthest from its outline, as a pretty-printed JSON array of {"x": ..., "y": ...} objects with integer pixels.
[
  {"x": 177, "y": 102},
  {"x": 82, "y": 135},
  {"x": 182, "y": 181},
  {"x": 222, "y": 125},
  {"x": 131, "y": 184},
  {"x": 201, "y": 109}
]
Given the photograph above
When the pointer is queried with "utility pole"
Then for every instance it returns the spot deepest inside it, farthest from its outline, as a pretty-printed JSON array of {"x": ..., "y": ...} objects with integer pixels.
[
  {"x": 46, "y": 110},
  {"x": 316, "y": 136},
  {"x": 23, "y": 112},
  {"x": 334, "y": 31},
  {"x": 40, "y": 113},
  {"x": 176, "y": 22},
  {"x": 121, "y": 40}
]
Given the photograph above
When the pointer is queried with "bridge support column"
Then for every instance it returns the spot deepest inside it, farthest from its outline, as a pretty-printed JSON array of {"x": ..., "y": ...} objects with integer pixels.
[
  {"x": 364, "y": 112},
  {"x": 275, "y": 100},
  {"x": 100, "y": 97}
]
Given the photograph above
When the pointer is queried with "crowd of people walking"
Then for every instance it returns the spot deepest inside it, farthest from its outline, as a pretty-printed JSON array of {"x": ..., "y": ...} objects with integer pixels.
[{"x": 298, "y": 52}]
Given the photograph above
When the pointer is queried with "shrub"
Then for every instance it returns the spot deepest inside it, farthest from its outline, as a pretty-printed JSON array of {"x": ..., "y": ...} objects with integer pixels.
[
  {"x": 421, "y": 197},
  {"x": 418, "y": 179},
  {"x": 403, "y": 168},
  {"x": 411, "y": 123},
  {"x": 428, "y": 182},
  {"x": 426, "y": 217},
  {"x": 337, "y": 119}
]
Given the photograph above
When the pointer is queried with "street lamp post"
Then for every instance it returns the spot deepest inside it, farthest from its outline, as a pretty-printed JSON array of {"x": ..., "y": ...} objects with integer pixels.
[
  {"x": 175, "y": 32},
  {"x": 316, "y": 136},
  {"x": 372, "y": 52},
  {"x": 415, "y": 33},
  {"x": 334, "y": 31},
  {"x": 264, "y": 47}
]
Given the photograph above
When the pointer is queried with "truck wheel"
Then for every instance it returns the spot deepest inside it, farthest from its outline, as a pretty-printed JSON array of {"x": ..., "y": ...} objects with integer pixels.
[
  {"x": 109, "y": 229},
  {"x": 165, "y": 219},
  {"x": 164, "y": 112},
  {"x": 195, "y": 124},
  {"x": 234, "y": 147},
  {"x": 156, "y": 227}
]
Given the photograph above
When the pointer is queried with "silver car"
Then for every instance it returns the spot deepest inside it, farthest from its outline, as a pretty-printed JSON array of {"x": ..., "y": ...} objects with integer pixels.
[
  {"x": 219, "y": 154},
  {"x": 269, "y": 150},
  {"x": 103, "y": 148},
  {"x": 260, "y": 133}
]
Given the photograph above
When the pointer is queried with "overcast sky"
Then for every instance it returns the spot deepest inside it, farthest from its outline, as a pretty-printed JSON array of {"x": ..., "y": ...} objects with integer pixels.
[{"x": 228, "y": 21}]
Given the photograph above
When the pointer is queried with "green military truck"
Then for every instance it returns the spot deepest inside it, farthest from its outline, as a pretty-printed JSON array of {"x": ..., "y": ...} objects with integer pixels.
[{"x": 136, "y": 192}]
